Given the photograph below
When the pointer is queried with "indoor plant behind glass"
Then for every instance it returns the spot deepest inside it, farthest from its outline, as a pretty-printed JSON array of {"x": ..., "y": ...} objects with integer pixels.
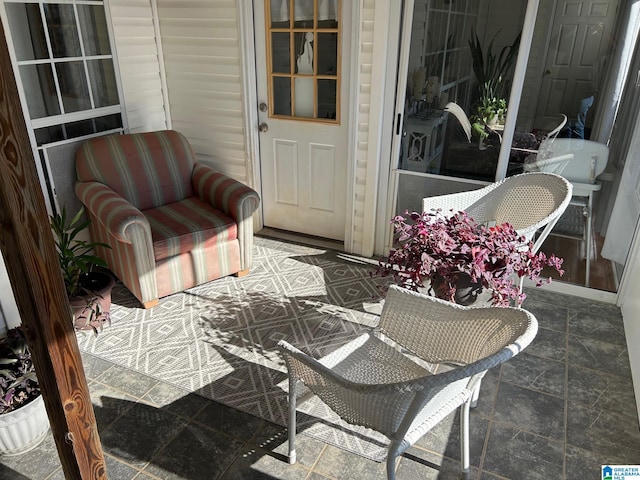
[
  {"x": 89, "y": 290},
  {"x": 23, "y": 417},
  {"x": 442, "y": 254}
]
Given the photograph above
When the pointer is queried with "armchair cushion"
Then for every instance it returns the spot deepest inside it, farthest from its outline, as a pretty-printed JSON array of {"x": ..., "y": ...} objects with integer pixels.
[{"x": 181, "y": 226}]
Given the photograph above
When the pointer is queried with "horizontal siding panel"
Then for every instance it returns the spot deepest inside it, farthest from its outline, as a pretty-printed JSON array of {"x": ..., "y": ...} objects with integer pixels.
[
  {"x": 204, "y": 9},
  {"x": 200, "y": 28},
  {"x": 203, "y": 48},
  {"x": 190, "y": 100},
  {"x": 196, "y": 64},
  {"x": 133, "y": 26},
  {"x": 209, "y": 116},
  {"x": 203, "y": 84}
]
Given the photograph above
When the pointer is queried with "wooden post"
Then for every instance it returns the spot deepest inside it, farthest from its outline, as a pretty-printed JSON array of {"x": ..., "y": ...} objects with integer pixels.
[{"x": 29, "y": 252}]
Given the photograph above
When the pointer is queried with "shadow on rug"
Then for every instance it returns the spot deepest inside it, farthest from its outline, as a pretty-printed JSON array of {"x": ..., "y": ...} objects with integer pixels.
[{"x": 219, "y": 339}]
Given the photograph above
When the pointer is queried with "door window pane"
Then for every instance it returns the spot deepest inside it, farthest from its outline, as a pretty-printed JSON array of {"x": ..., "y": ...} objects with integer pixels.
[
  {"x": 25, "y": 23},
  {"x": 303, "y": 13},
  {"x": 327, "y": 53},
  {"x": 63, "y": 34},
  {"x": 304, "y": 97},
  {"x": 280, "y": 56},
  {"x": 305, "y": 45},
  {"x": 327, "y": 99},
  {"x": 281, "y": 96},
  {"x": 40, "y": 90}
]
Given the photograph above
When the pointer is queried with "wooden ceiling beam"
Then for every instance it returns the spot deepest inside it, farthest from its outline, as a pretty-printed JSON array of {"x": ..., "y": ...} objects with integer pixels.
[{"x": 29, "y": 252}]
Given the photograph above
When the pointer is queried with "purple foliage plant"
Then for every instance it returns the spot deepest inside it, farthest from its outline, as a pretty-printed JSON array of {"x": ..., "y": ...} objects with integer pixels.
[
  {"x": 435, "y": 251},
  {"x": 18, "y": 382}
]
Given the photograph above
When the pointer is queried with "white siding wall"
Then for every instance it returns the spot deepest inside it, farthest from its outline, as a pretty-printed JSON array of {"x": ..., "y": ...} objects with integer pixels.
[
  {"x": 202, "y": 58},
  {"x": 364, "y": 97},
  {"x": 139, "y": 65}
]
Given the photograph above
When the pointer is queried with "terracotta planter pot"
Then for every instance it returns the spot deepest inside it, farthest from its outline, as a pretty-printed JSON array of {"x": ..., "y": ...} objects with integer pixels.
[
  {"x": 23, "y": 429},
  {"x": 100, "y": 285}
]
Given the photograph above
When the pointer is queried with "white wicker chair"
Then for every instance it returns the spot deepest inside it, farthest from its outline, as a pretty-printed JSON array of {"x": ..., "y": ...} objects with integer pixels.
[
  {"x": 424, "y": 360},
  {"x": 529, "y": 202}
]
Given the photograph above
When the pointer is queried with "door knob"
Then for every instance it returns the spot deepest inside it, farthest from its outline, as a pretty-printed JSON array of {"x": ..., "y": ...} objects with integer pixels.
[
  {"x": 263, "y": 107},
  {"x": 263, "y": 127},
  {"x": 547, "y": 72}
]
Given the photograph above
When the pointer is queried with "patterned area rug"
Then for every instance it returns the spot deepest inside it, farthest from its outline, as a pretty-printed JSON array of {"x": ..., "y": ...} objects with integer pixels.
[{"x": 219, "y": 339}]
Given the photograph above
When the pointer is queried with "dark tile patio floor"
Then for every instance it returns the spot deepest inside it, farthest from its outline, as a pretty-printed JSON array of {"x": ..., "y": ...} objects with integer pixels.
[{"x": 559, "y": 410}]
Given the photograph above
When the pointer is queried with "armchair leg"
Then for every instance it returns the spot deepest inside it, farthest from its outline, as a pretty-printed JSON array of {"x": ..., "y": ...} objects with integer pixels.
[
  {"x": 242, "y": 273},
  {"x": 151, "y": 303}
]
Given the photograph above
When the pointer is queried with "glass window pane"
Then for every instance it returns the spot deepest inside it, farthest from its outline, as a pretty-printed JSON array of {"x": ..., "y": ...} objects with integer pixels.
[
  {"x": 282, "y": 96},
  {"x": 27, "y": 31},
  {"x": 280, "y": 56},
  {"x": 279, "y": 13},
  {"x": 327, "y": 99},
  {"x": 303, "y": 14},
  {"x": 73, "y": 86},
  {"x": 49, "y": 134},
  {"x": 40, "y": 90},
  {"x": 304, "y": 45},
  {"x": 103, "y": 82},
  {"x": 63, "y": 33},
  {"x": 327, "y": 53},
  {"x": 304, "y": 97},
  {"x": 95, "y": 36}
]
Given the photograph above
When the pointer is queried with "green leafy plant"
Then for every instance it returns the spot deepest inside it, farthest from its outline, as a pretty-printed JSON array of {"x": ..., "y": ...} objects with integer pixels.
[
  {"x": 488, "y": 112},
  {"x": 490, "y": 70},
  {"x": 437, "y": 252},
  {"x": 74, "y": 255},
  {"x": 18, "y": 381}
]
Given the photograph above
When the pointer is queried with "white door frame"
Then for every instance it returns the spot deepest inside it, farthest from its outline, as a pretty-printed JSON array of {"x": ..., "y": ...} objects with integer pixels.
[{"x": 250, "y": 107}]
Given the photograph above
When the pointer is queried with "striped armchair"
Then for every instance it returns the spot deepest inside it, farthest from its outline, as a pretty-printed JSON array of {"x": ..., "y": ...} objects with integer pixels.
[{"x": 172, "y": 223}]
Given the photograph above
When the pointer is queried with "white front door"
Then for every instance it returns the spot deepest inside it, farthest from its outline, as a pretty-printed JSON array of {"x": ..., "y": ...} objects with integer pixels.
[
  {"x": 302, "y": 66},
  {"x": 581, "y": 36}
]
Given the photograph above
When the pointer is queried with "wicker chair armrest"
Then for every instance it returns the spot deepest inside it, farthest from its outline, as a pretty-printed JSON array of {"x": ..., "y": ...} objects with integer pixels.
[
  {"x": 230, "y": 196},
  {"x": 119, "y": 217}
]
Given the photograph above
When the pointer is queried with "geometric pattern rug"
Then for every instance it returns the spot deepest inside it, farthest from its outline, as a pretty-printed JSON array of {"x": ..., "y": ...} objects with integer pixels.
[{"x": 219, "y": 339}]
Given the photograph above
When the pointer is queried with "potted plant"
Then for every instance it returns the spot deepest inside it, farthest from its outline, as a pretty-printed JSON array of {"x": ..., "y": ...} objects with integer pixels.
[
  {"x": 23, "y": 417},
  {"x": 89, "y": 290},
  {"x": 491, "y": 71},
  {"x": 446, "y": 254}
]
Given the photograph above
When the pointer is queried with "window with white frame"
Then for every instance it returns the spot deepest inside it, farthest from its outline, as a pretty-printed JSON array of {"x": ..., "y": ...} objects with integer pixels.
[
  {"x": 64, "y": 63},
  {"x": 65, "y": 66}
]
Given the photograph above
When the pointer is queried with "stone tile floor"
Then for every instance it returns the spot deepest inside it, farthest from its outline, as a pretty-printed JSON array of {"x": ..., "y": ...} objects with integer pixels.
[{"x": 559, "y": 410}]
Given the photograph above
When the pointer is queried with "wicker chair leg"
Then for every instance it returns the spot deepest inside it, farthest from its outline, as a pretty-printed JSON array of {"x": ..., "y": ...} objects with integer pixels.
[
  {"x": 464, "y": 435},
  {"x": 292, "y": 419},
  {"x": 475, "y": 394},
  {"x": 392, "y": 456}
]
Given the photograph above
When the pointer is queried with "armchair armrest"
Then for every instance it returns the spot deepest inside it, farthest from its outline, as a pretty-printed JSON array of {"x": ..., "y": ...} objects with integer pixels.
[
  {"x": 111, "y": 210},
  {"x": 126, "y": 230},
  {"x": 233, "y": 198},
  {"x": 230, "y": 196}
]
